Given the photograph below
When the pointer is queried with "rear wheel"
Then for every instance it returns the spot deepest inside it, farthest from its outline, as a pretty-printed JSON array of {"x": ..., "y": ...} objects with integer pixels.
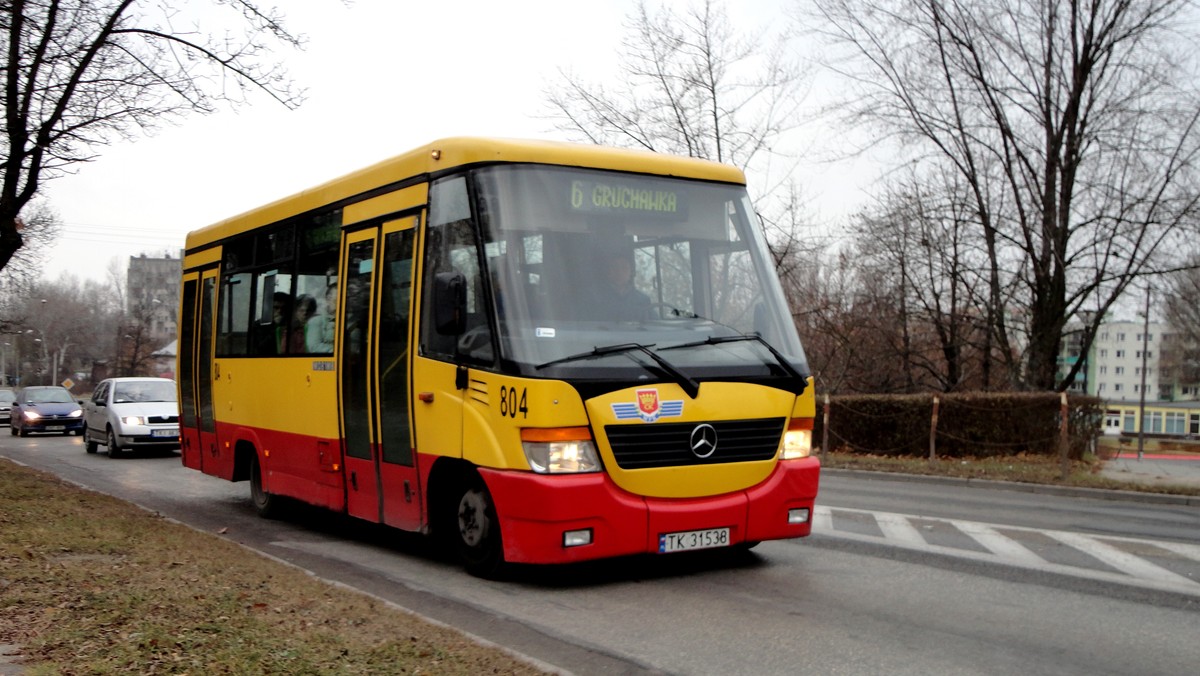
[
  {"x": 88, "y": 444},
  {"x": 267, "y": 505},
  {"x": 476, "y": 530},
  {"x": 114, "y": 449}
]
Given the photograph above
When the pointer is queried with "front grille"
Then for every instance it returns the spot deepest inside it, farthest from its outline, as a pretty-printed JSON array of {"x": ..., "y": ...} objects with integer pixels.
[
  {"x": 669, "y": 445},
  {"x": 159, "y": 419}
]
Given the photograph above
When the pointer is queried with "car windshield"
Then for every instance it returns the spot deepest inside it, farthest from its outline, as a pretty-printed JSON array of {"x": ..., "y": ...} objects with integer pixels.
[
  {"x": 146, "y": 390},
  {"x": 50, "y": 395},
  {"x": 580, "y": 260}
]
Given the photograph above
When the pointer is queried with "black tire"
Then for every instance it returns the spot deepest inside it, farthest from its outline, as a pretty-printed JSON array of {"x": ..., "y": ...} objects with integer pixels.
[
  {"x": 267, "y": 505},
  {"x": 12, "y": 429},
  {"x": 114, "y": 449},
  {"x": 475, "y": 529},
  {"x": 88, "y": 444},
  {"x": 24, "y": 432}
]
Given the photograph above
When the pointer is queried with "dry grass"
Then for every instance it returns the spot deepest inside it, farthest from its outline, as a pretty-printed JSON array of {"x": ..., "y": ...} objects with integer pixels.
[{"x": 93, "y": 585}]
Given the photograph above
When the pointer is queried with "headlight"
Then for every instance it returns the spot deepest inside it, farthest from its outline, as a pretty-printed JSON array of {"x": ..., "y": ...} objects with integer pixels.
[
  {"x": 133, "y": 420},
  {"x": 31, "y": 415},
  {"x": 797, "y": 440},
  {"x": 567, "y": 450},
  {"x": 76, "y": 413}
]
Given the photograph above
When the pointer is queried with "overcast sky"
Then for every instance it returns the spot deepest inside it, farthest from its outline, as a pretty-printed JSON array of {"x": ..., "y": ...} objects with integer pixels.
[{"x": 382, "y": 76}]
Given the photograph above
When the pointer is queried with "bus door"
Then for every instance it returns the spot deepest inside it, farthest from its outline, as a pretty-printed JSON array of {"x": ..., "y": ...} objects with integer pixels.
[
  {"x": 198, "y": 440},
  {"x": 381, "y": 472}
]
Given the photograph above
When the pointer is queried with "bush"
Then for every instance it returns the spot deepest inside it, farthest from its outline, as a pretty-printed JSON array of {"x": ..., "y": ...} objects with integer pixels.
[{"x": 972, "y": 424}]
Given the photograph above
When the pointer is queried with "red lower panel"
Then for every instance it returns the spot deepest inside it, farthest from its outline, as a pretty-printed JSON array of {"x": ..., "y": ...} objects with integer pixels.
[{"x": 535, "y": 510}]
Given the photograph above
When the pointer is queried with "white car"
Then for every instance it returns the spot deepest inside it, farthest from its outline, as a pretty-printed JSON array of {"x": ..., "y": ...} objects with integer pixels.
[{"x": 129, "y": 413}]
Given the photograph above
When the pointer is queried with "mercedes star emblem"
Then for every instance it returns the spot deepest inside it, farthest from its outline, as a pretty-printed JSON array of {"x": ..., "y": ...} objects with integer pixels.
[{"x": 704, "y": 440}]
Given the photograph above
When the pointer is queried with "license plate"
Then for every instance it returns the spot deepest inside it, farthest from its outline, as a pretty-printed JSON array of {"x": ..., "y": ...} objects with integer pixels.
[
  {"x": 55, "y": 428},
  {"x": 164, "y": 433},
  {"x": 693, "y": 539}
]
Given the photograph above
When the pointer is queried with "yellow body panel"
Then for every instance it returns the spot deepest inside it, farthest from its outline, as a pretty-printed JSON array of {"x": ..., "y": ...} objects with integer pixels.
[
  {"x": 499, "y": 407},
  {"x": 202, "y": 258},
  {"x": 249, "y": 392},
  {"x": 716, "y": 401},
  {"x": 463, "y": 151},
  {"x": 390, "y": 203}
]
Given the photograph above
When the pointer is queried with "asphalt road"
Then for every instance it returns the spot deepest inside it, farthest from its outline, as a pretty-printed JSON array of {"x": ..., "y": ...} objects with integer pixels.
[{"x": 899, "y": 578}]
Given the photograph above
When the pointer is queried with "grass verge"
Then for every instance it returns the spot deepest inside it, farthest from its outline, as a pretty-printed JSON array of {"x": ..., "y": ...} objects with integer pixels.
[
  {"x": 93, "y": 585},
  {"x": 1024, "y": 468}
]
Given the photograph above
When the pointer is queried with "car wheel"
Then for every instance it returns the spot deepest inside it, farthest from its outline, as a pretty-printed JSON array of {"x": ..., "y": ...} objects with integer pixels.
[
  {"x": 267, "y": 505},
  {"x": 475, "y": 528},
  {"x": 89, "y": 444},
  {"x": 24, "y": 432},
  {"x": 12, "y": 429},
  {"x": 114, "y": 449}
]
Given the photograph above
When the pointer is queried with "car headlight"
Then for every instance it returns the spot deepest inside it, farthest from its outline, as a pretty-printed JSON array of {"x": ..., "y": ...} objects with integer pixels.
[
  {"x": 133, "y": 420},
  {"x": 76, "y": 413},
  {"x": 566, "y": 450},
  {"x": 797, "y": 440},
  {"x": 31, "y": 415}
]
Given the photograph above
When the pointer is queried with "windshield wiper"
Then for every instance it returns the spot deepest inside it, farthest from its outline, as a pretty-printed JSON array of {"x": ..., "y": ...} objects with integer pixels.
[
  {"x": 717, "y": 340},
  {"x": 689, "y": 385}
]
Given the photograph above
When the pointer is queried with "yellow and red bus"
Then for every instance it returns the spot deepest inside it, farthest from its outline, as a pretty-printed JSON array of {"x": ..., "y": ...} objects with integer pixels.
[{"x": 439, "y": 342}]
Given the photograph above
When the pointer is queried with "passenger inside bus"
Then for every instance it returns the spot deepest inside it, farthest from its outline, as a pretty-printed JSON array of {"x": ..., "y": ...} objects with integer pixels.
[
  {"x": 320, "y": 329},
  {"x": 306, "y": 307}
]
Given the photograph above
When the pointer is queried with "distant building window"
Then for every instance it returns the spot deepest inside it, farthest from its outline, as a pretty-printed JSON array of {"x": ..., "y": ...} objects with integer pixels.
[
  {"x": 1103, "y": 354},
  {"x": 1119, "y": 370},
  {"x": 1130, "y": 421},
  {"x": 1117, "y": 387},
  {"x": 1120, "y": 337},
  {"x": 1120, "y": 354}
]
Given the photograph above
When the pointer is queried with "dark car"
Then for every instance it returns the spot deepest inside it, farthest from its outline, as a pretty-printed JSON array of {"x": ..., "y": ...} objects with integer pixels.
[
  {"x": 46, "y": 408},
  {"x": 7, "y": 397}
]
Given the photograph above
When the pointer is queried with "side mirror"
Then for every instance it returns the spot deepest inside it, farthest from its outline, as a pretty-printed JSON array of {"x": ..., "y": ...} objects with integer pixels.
[{"x": 450, "y": 303}]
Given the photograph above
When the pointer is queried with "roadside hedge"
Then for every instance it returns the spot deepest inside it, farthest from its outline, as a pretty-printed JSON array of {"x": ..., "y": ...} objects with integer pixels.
[{"x": 972, "y": 424}]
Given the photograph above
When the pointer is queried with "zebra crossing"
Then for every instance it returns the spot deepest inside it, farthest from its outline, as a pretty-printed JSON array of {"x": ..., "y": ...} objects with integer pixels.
[{"x": 1152, "y": 564}]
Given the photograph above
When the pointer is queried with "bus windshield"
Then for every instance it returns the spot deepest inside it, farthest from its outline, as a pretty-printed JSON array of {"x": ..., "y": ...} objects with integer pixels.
[{"x": 582, "y": 262}]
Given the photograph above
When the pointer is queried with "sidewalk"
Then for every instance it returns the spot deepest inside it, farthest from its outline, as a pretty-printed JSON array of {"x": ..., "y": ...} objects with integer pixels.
[{"x": 1154, "y": 468}]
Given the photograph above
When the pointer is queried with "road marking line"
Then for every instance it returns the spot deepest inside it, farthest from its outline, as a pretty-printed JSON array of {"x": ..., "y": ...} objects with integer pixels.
[
  {"x": 822, "y": 518},
  {"x": 1128, "y": 569},
  {"x": 898, "y": 527},
  {"x": 1120, "y": 559},
  {"x": 998, "y": 544}
]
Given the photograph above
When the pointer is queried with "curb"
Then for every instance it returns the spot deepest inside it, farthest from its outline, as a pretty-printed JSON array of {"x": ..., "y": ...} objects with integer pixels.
[{"x": 1043, "y": 489}]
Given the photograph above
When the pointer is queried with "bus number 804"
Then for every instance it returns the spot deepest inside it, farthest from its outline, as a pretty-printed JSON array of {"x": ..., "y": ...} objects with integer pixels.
[{"x": 511, "y": 403}]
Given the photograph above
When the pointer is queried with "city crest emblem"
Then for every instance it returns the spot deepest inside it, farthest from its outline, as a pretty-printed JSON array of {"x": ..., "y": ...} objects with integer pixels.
[{"x": 648, "y": 406}]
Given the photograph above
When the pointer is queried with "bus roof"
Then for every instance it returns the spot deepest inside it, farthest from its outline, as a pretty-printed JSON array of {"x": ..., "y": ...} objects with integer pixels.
[{"x": 449, "y": 153}]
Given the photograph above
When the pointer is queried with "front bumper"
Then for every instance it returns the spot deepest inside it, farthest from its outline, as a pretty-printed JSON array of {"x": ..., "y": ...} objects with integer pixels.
[
  {"x": 52, "y": 425},
  {"x": 535, "y": 511}
]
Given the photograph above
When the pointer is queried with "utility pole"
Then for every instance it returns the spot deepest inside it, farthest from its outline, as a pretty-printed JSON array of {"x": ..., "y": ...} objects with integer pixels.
[{"x": 1142, "y": 402}]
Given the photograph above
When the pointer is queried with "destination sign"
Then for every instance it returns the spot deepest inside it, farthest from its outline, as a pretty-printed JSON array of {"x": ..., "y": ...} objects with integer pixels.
[{"x": 602, "y": 197}]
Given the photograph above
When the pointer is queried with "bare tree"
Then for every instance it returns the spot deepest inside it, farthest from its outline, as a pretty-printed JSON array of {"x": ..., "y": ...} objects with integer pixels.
[
  {"x": 1180, "y": 353},
  {"x": 78, "y": 74},
  {"x": 920, "y": 246},
  {"x": 38, "y": 226},
  {"x": 689, "y": 85},
  {"x": 1072, "y": 126}
]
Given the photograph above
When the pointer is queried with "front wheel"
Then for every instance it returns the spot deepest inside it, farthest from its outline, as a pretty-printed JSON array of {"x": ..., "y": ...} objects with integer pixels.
[
  {"x": 266, "y": 505},
  {"x": 476, "y": 529},
  {"x": 114, "y": 449}
]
